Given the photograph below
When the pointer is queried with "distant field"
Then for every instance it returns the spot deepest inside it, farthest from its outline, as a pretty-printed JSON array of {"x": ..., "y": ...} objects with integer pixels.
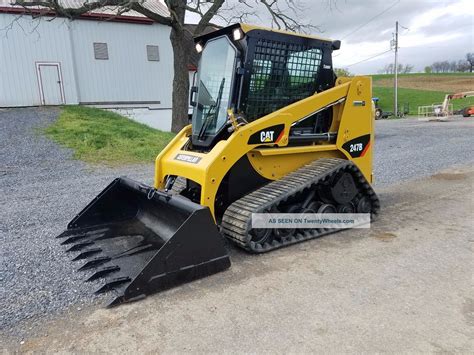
[
  {"x": 422, "y": 90},
  {"x": 382, "y": 76},
  {"x": 415, "y": 98},
  {"x": 452, "y": 82}
]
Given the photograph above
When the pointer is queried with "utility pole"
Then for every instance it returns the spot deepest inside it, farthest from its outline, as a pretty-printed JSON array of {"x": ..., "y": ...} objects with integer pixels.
[{"x": 395, "y": 101}]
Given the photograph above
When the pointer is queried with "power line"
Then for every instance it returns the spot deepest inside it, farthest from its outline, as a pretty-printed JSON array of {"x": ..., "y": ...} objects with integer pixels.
[
  {"x": 373, "y": 18},
  {"x": 366, "y": 59}
]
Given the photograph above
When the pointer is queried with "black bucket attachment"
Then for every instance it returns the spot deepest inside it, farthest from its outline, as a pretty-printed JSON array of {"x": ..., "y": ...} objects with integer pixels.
[{"x": 142, "y": 240}]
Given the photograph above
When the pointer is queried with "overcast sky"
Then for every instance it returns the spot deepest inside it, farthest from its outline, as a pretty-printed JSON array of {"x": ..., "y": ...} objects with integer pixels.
[
  {"x": 433, "y": 30},
  {"x": 436, "y": 30}
]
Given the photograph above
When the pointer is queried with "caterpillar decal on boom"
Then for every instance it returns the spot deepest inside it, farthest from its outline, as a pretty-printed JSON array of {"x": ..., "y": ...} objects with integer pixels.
[{"x": 273, "y": 130}]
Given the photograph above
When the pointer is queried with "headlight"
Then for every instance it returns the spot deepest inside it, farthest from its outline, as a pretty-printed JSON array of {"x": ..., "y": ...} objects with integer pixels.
[
  {"x": 237, "y": 34},
  {"x": 199, "y": 47}
]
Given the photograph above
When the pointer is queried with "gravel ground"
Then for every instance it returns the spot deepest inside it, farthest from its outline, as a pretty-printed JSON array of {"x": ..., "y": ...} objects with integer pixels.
[
  {"x": 408, "y": 149},
  {"x": 43, "y": 188}
]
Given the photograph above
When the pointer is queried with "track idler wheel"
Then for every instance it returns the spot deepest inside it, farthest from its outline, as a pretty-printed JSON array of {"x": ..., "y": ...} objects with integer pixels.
[
  {"x": 261, "y": 235},
  {"x": 364, "y": 205},
  {"x": 282, "y": 233},
  {"x": 314, "y": 206},
  {"x": 327, "y": 208},
  {"x": 346, "y": 208}
]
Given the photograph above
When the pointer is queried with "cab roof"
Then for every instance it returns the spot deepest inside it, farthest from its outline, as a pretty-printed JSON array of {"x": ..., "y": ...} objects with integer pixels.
[{"x": 247, "y": 28}]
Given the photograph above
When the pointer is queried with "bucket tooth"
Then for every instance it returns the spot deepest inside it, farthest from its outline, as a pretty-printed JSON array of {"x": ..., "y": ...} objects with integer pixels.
[
  {"x": 115, "y": 301},
  {"x": 110, "y": 285},
  {"x": 79, "y": 246},
  {"x": 63, "y": 235},
  {"x": 94, "y": 263},
  {"x": 87, "y": 253},
  {"x": 74, "y": 238},
  {"x": 103, "y": 272}
]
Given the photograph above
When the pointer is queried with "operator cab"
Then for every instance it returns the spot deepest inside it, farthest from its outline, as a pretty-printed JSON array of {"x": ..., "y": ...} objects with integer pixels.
[{"x": 255, "y": 71}]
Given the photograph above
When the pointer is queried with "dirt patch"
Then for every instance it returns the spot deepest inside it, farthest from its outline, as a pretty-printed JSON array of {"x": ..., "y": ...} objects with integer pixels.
[
  {"x": 449, "y": 176},
  {"x": 449, "y": 84},
  {"x": 468, "y": 310},
  {"x": 384, "y": 236}
]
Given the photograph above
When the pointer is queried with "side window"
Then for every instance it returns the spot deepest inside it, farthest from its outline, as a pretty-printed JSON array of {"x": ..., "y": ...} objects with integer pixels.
[
  {"x": 303, "y": 66},
  {"x": 261, "y": 70},
  {"x": 281, "y": 73},
  {"x": 101, "y": 51}
]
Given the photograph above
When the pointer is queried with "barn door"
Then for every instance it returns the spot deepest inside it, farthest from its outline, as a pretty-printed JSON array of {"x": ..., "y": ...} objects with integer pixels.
[{"x": 50, "y": 83}]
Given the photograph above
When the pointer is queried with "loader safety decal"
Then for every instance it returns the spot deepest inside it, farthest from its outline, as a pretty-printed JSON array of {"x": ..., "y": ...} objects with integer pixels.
[
  {"x": 268, "y": 135},
  {"x": 357, "y": 147}
]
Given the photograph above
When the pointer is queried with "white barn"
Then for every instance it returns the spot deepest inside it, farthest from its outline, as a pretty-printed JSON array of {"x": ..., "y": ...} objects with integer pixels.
[{"x": 120, "y": 62}]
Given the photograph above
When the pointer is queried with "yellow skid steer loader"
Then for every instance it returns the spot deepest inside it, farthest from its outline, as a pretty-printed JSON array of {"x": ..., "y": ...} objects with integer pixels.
[{"x": 273, "y": 130}]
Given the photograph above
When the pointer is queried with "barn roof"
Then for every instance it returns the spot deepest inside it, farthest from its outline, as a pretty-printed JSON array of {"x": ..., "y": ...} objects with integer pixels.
[{"x": 108, "y": 12}]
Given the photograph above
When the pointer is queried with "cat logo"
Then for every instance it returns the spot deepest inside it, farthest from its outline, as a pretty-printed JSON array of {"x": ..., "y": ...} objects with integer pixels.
[
  {"x": 266, "y": 136},
  {"x": 271, "y": 134}
]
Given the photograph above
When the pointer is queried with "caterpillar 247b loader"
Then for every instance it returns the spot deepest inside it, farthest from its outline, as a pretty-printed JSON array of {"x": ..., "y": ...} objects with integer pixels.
[{"x": 273, "y": 130}]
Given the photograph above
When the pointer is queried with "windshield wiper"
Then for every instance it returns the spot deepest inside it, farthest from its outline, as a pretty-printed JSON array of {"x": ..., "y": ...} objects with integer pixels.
[{"x": 213, "y": 110}]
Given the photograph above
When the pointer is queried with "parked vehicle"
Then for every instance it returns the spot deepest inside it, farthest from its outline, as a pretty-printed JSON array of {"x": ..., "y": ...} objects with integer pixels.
[{"x": 468, "y": 111}]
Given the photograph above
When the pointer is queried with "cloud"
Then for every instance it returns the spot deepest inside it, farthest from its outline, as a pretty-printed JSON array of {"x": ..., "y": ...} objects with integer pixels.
[{"x": 430, "y": 30}]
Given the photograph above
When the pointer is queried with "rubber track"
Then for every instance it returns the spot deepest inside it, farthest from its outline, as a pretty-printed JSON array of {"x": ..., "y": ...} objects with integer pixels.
[{"x": 236, "y": 222}]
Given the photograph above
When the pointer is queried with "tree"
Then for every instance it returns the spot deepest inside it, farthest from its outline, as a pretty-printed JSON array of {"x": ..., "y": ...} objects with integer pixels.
[
  {"x": 387, "y": 69},
  {"x": 463, "y": 65},
  {"x": 428, "y": 69},
  {"x": 283, "y": 14},
  {"x": 436, "y": 67},
  {"x": 402, "y": 69},
  {"x": 407, "y": 68},
  {"x": 470, "y": 60},
  {"x": 342, "y": 72},
  {"x": 445, "y": 66}
]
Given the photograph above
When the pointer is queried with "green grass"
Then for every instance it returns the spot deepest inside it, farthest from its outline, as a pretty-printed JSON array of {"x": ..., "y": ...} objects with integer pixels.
[
  {"x": 100, "y": 136},
  {"x": 415, "y": 98},
  {"x": 376, "y": 77}
]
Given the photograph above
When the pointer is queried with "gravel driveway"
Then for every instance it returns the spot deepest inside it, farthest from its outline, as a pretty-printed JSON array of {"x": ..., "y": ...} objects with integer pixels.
[
  {"x": 43, "y": 188},
  {"x": 408, "y": 149}
]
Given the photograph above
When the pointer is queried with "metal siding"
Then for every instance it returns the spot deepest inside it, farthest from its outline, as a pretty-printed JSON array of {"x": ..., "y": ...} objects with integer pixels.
[
  {"x": 21, "y": 47},
  {"x": 127, "y": 75}
]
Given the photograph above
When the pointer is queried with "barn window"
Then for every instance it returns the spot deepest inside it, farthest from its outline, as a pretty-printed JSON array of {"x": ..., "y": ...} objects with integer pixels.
[
  {"x": 152, "y": 53},
  {"x": 100, "y": 51}
]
